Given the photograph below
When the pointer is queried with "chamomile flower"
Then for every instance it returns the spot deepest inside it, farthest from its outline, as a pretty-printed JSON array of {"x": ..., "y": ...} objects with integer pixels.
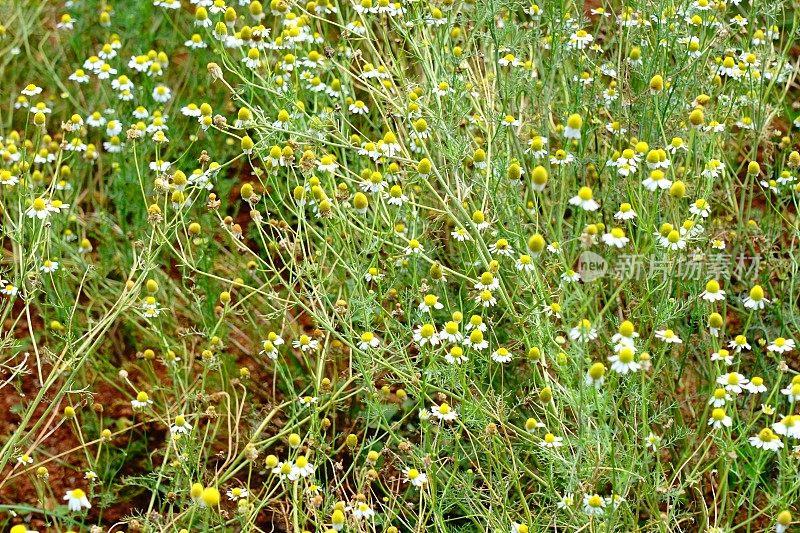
[
  {"x": 584, "y": 331},
  {"x": 783, "y": 522},
  {"x": 456, "y": 356},
  {"x": 625, "y": 212},
  {"x": 487, "y": 282},
  {"x": 476, "y": 340},
  {"x": 8, "y": 289},
  {"x": 552, "y": 309},
  {"x": 531, "y": 425},
  {"x": 719, "y": 419},
  {"x": 502, "y": 355},
  {"x": 358, "y": 108},
  {"x": 77, "y": 500},
  {"x": 561, "y": 158},
  {"x": 781, "y": 345},
  {"x": 766, "y": 440},
  {"x": 510, "y": 121},
  {"x": 307, "y": 401},
  {"x": 485, "y": 298},
  {"x": 653, "y": 441},
  {"x": 701, "y": 208},
  {"x": 673, "y": 241},
  {"x": 39, "y": 209},
  {"x": 626, "y": 334},
  {"x": 551, "y": 441},
  {"x": 537, "y": 146},
  {"x": 580, "y": 39},
  {"x": 788, "y": 426},
  {"x": 395, "y": 196},
  {"x": 415, "y": 477},
  {"x": 615, "y": 238},
  {"x": 755, "y": 299},
  {"x": 657, "y": 180},
  {"x": 195, "y": 42},
  {"x": 595, "y": 376},
  {"x": 306, "y": 344},
  {"x": 362, "y": 511},
  {"x": 282, "y": 469},
  {"x": 792, "y": 391},
  {"x": 368, "y": 340},
  {"x": 430, "y": 301},
  {"x": 426, "y": 334},
  {"x": 719, "y": 398},
  {"x": 525, "y": 263},
  {"x": 739, "y": 343},
  {"x": 593, "y": 505},
  {"x": 566, "y": 501},
  {"x": 79, "y": 76},
  {"x": 373, "y": 274},
  {"x": 48, "y": 266},
  {"x": 584, "y": 200},
  {"x": 722, "y": 355},
  {"x": 141, "y": 401},
  {"x": 443, "y": 412},
  {"x": 756, "y": 385},
  {"x": 713, "y": 169},
  {"x": 302, "y": 468},
  {"x": 450, "y": 332},
  {"x": 713, "y": 293},
  {"x": 180, "y": 426},
  {"x": 614, "y": 500},
  {"x": 733, "y": 382},
  {"x": 414, "y": 247},
  {"x": 162, "y": 94},
  {"x": 668, "y": 336},
  {"x": 623, "y": 361},
  {"x": 501, "y": 247},
  {"x": 31, "y": 90},
  {"x": 269, "y": 349},
  {"x": 237, "y": 493}
]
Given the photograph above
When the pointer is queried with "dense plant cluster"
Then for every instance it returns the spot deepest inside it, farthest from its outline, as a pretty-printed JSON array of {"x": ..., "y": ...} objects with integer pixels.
[{"x": 374, "y": 265}]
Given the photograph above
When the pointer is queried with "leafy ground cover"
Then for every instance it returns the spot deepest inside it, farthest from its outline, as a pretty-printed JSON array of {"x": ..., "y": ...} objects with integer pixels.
[{"x": 479, "y": 265}]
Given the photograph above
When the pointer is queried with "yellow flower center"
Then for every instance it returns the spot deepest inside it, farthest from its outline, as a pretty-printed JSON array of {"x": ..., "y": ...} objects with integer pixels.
[
  {"x": 626, "y": 355},
  {"x": 597, "y": 371}
]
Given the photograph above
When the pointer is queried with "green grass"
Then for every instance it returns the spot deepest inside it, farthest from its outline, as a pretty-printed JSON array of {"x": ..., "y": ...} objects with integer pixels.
[{"x": 320, "y": 257}]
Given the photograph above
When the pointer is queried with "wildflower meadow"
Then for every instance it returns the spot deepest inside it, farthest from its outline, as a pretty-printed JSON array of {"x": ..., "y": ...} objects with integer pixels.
[{"x": 399, "y": 266}]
